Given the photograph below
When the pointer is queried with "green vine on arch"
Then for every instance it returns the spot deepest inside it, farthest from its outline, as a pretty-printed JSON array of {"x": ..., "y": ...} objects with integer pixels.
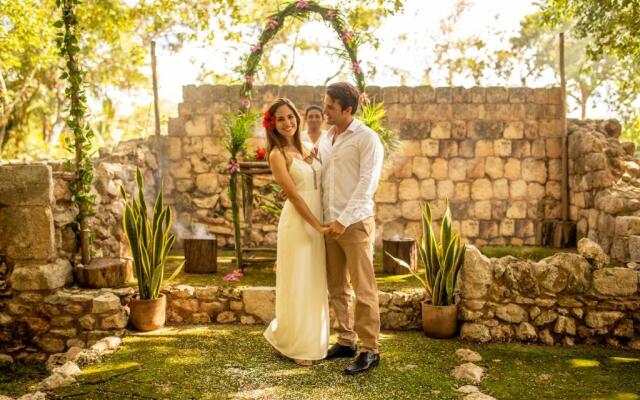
[
  {"x": 371, "y": 112},
  {"x": 302, "y": 9}
]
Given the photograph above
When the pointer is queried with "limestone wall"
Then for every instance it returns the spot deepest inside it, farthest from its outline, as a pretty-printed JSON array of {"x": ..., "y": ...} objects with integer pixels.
[
  {"x": 495, "y": 152},
  {"x": 567, "y": 298},
  {"x": 605, "y": 188}
]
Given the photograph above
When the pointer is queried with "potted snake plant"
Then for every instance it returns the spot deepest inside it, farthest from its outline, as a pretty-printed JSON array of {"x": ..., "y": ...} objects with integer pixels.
[
  {"x": 150, "y": 243},
  {"x": 442, "y": 261}
]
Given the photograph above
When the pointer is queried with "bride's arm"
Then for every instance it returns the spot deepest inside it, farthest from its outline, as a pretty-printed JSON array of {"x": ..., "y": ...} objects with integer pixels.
[{"x": 281, "y": 174}]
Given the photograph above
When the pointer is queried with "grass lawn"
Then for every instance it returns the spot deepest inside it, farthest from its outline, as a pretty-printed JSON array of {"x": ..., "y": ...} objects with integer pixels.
[
  {"x": 219, "y": 362},
  {"x": 264, "y": 275},
  {"x": 16, "y": 378}
]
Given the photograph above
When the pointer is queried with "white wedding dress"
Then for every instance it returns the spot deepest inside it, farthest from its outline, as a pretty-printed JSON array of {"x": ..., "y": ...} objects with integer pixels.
[{"x": 300, "y": 329}]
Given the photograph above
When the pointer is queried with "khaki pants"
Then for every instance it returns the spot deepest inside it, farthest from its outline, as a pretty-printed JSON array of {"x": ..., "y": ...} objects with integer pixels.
[{"x": 351, "y": 256}]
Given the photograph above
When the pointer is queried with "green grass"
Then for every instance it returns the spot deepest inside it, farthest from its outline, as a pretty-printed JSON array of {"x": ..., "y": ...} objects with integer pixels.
[
  {"x": 527, "y": 252},
  {"x": 264, "y": 275},
  {"x": 219, "y": 362},
  {"x": 15, "y": 379}
]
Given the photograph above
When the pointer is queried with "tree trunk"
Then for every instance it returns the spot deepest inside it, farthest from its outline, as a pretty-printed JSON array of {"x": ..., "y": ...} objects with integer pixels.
[
  {"x": 201, "y": 256},
  {"x": 404, "y": 249}
]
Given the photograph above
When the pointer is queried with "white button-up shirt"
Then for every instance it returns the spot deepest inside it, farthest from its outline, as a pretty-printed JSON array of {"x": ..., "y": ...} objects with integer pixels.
[{"x": 351, "y": 168}]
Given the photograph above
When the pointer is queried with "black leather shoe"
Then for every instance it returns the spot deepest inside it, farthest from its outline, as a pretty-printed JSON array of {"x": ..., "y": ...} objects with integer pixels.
[
  {"x": 341, "y": 351},
  {"x": 365, "y": 361}
]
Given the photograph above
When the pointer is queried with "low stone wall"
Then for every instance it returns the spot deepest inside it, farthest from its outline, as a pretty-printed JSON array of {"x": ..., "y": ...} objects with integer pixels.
[
  {"x": 399, "y": 310},
  {"x": 34, "y": 324},
  {"x": 605, "y": 188},
  {"x": 566, "y": 298}
]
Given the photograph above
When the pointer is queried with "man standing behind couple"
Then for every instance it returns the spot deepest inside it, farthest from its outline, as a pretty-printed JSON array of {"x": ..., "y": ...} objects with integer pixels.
[{"x": 351, "y": 156}]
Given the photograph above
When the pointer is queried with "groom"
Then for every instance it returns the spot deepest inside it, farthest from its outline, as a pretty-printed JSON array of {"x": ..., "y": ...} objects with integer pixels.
[{"x": 352, "y": 156}]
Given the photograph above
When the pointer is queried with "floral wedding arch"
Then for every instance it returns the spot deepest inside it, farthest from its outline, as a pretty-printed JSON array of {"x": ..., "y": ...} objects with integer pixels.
[{"x": 240, "y": 125}]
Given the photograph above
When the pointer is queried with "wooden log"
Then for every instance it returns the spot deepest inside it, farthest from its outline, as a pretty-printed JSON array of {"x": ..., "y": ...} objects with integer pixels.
[
  {"x": 404, "y": 249},
  {"x": 104, "y": 272},
  {"x": 201, "y": 256},
  {"x": 253, "y": 164}
]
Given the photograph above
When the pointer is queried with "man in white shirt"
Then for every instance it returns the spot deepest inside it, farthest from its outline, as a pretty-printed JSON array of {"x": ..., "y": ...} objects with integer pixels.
[
  {"x": 313, "y": 119},
  {"x": 352, "y": 157}
]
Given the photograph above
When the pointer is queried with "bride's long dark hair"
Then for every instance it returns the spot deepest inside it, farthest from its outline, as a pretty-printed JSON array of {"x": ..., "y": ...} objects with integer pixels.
[{"x": 274, "y": 138}]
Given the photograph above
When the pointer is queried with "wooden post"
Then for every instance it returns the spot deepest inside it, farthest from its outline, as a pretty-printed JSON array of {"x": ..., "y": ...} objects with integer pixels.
[{"x": 247, "y": 198}]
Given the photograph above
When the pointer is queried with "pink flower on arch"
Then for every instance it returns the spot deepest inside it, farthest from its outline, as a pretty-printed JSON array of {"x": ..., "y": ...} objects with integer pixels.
[
  {"x": 331, "y": 14},
  {"x": 233, "y": 166},
  {"x": 245, "y": 103},
  {"x": 248, "y": 79},
  {"x": 302, "y": 4},
  {"x": 347, "y": 36},
  {"x": 364, "y": 99},
  {"x": 272, "y": 23},
  {"x": 356, "y": 67},
  {"x": 256, "y": 48}
]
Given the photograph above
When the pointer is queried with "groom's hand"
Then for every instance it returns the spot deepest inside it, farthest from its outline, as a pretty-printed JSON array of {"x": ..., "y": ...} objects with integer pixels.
[{"x": 336, "y": 228}]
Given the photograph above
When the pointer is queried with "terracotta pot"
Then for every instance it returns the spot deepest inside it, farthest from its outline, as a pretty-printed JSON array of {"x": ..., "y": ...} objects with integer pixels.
[
  {"x": 439, "y": 322},
  {"x": 147, "y": 315}
]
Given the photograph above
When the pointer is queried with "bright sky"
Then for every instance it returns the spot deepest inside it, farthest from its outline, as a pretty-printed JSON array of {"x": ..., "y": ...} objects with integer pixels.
[{"x": 419, "y": 23}]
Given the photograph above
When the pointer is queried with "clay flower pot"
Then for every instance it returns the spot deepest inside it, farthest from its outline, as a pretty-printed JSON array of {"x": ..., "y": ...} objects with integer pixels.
[
  {"x": 439, "y": 322},
  {"x": 148, "y": 315}
]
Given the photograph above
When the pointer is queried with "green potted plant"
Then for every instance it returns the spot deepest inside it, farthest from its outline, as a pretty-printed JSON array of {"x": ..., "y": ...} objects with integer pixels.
[
  {"x": 150, "y": 243},
  {"x": 442, "y": 261}
]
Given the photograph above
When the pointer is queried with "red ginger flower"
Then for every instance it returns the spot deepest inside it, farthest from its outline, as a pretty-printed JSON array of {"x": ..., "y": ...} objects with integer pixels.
[{"x": 268, "y": 121}]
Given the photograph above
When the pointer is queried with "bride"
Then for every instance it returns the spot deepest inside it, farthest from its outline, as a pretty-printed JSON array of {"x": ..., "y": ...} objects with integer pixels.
[{"x": 300, "y": 330}]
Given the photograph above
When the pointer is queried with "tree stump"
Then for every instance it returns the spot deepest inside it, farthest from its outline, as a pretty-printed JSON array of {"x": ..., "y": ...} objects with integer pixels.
[
  {"x": 201, "y": 256},
  {"x": 104, "y": 272},
  {"x": 404, "y": 249}
]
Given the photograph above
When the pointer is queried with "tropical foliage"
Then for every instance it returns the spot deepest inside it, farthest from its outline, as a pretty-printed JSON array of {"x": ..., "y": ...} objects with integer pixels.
[
  {"x": 149, "y": 239},
  {"x": 441, "y": 259}
]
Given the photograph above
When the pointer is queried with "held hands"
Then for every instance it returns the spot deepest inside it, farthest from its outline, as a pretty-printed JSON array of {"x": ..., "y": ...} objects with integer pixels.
[
  {"x": 324, "y": 229},
  {"x": 336, "y": 229}
]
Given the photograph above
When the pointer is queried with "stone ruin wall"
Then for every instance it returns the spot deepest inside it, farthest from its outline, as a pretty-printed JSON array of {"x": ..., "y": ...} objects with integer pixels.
[
  {"x": 605, "y": 188},
  {"x": 506, "y": 140},
  {"x": 494, "y": 152}
]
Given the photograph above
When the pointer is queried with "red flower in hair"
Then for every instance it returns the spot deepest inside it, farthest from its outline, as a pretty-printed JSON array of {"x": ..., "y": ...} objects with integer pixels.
[{"x": 268, "y": 121}]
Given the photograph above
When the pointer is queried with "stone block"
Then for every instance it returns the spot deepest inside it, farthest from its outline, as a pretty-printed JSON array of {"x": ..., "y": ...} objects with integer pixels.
[
  {"x": 494, "y": 167},
  {"x": 424, "y": 94},
  {"x": 421, "y": 167},
  {"x": 260, "y": 301},
  {"x": 428, "y": 189},
  {"x": 534, "y": 171},
  {"x": 497, "y": 95},
  {"x": 615, "y": 281},
  {"x": 481, "y": 189},
  {"x": 26, "y": 185},
  {"x": 440, "y": 169},
  {"x": 457, "y": 169},
  {"x": 41, "y": 277},
  {"x": 387, "y": 192},
  {"x": 27, "y": 233},
  {"x": 409, "y": 189},
  {"x": 441, "y": 130},
  {"x": 430, "y": 147}
]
